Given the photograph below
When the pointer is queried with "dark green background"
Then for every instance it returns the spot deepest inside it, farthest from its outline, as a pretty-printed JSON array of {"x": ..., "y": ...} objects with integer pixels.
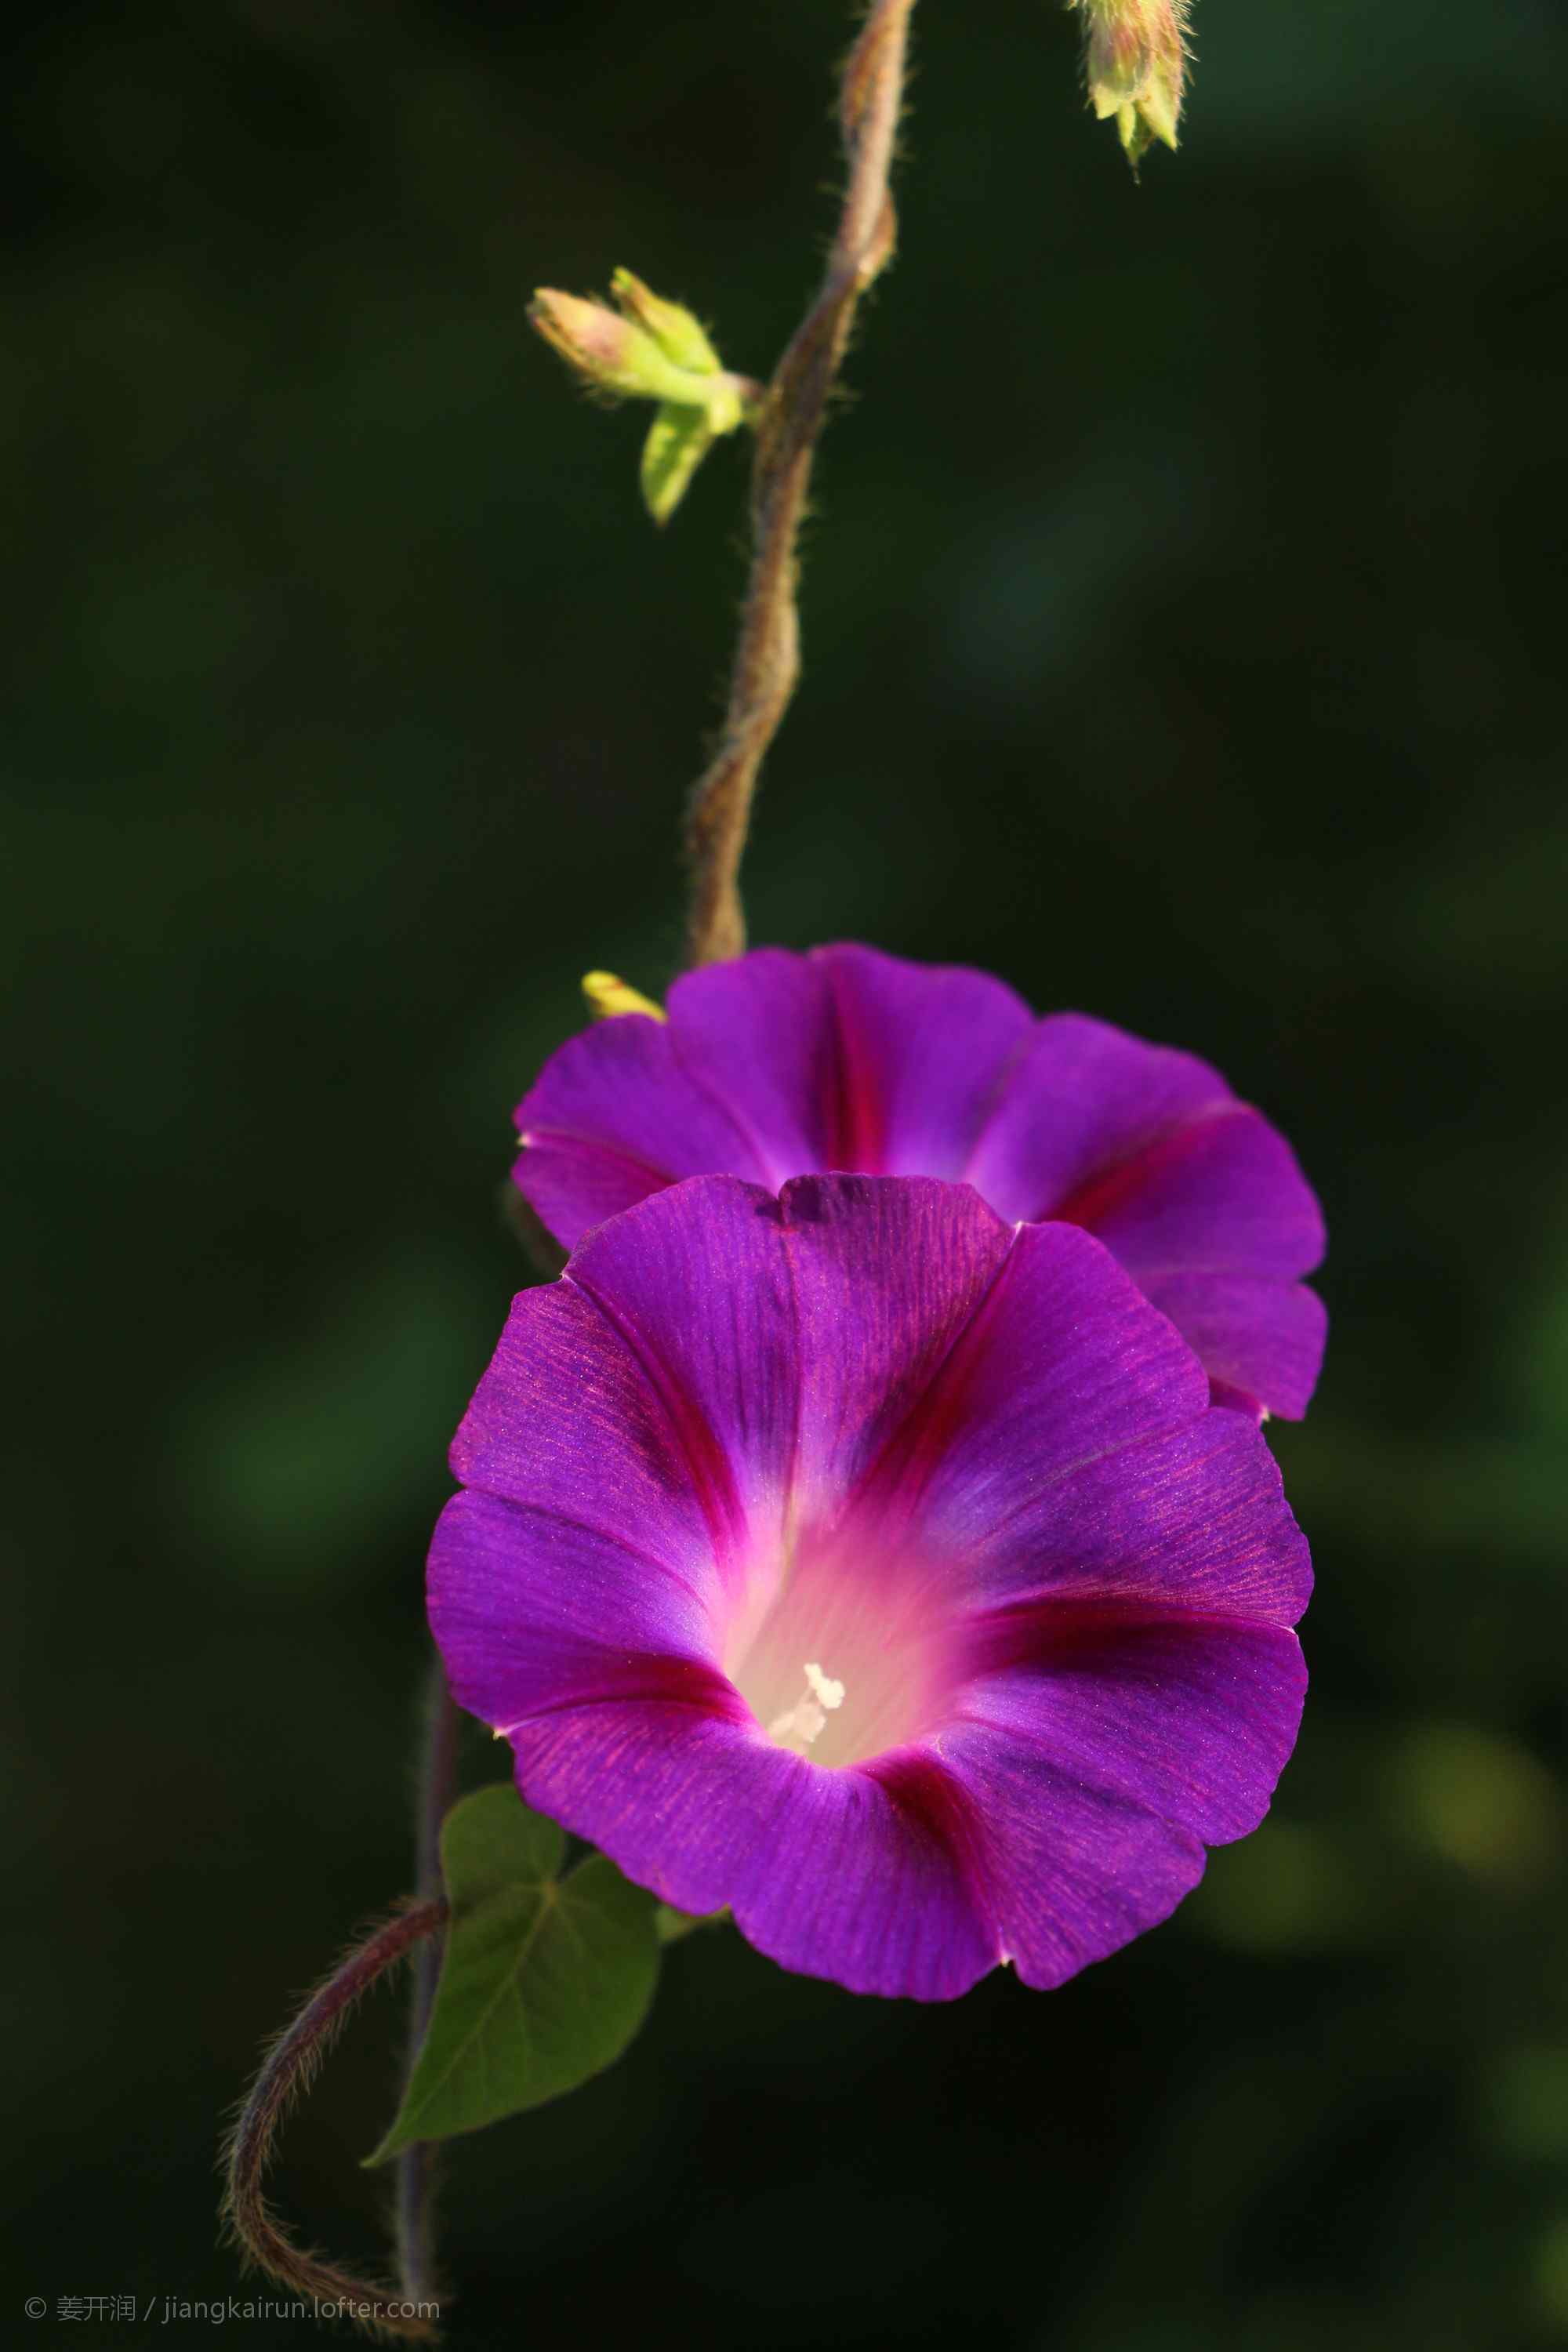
[{"x": 1184, "y": 628}]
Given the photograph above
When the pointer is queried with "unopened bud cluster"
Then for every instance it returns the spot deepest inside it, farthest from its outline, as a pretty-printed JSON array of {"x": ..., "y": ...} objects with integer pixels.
[
  {"x": 649, "y": 349},
  {"x": 1135, "y": 58}
]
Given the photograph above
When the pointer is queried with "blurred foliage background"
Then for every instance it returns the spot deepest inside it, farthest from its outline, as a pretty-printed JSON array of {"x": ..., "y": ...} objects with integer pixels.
[{"x": 1185, "y": 623}]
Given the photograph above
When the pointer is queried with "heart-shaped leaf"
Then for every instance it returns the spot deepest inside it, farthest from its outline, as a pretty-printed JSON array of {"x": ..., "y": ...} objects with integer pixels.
[{"x": 544, "y": 1981}]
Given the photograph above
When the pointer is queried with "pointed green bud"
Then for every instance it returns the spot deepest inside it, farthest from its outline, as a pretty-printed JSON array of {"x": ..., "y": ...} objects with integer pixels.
[
  {"x": 672, "y": 327},
  {"x": 1135, "y": 57},
  {"x": 611, "y": 352}
]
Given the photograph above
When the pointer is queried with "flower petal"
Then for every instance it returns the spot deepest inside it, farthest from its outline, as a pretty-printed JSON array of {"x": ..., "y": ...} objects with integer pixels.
[
  {"x": 1096, "y": 1776},
  {"x": 849, "y": 1059},
  {"x": 1148, "y": 1150},
  {"x": 1193, "y": 1519},
  {"x": 925, "y": 1050},
  {"x": 1064, "y": 1361},
  {"x": 696, "y": 1287},
  {"x": 1082, "y": 1099},
  {"x": 613, "y": 1117},
  {"x": 760, "y": 1030},
  {"x": 889, "y": 1272},
  {"x": 568, "y": 1421},
  {"x": 1261, "y": 1339},
  {"x": 789, "y": 1339},
  {"x": 1221, "y": 1192},
  {"x": 771, "y": 1066},
  {"x": 826, "y": 1872},
  {"x": 778, "y": 1064},
  {"x": 532, "y": 1611}
]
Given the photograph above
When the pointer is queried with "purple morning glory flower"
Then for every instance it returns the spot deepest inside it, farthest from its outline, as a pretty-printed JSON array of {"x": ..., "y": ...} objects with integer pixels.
[
  {"x": 778, "y": 1064},
  {"x": 876, "y": 1568}
]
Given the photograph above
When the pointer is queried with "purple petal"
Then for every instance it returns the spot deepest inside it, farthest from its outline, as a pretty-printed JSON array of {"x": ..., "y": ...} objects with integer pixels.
[
  {"x": 1191, "y": 1518},
  {"x": 1095, "y": 1777},
  {"x": 826, "y": 1872},
  {"x": 1082, "y": 1098},
  {"x": 771, "y": 1066},
  {"x": 849, "y": 1059},
  {"x": 1261, "y": 1341},
  {"x": 1063, "y": 1362},
  {"x": 761, "y": 1032},
  {"x": 1221, "y": 1191},
  {"x": 711, "y": 1358},
  {"x": 532, "y": 1611},
  {"x": 567, "y": 1421},
  {"x": 695, "y": 1287},
  {"x": 1192, "y": 1719},
  {"x": 1148, "y": 1150},
  {"x": 613, "y": 1117},
  {"x": 778, "y": 1064},
  {"x": 925, "y": 1052},
  {"x": 888, "y": 1275}
]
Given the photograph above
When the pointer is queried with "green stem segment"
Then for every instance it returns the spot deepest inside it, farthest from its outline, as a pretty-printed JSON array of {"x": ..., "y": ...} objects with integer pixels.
[{"x": 767, "y": 652}]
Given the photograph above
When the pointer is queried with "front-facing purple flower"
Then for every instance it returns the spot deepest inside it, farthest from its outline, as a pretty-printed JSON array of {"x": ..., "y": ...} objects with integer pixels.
[
  {"x": 780, "y": 1065},
  {"x": 878, "y": 1569}
]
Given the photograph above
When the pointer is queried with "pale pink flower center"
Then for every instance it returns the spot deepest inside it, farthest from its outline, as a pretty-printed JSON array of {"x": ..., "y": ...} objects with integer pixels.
[{"x": 839, "y": 1651}]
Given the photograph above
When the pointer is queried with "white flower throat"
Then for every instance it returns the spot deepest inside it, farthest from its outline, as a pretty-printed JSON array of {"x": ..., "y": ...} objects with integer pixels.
[{"x": 837, "y": 1645}]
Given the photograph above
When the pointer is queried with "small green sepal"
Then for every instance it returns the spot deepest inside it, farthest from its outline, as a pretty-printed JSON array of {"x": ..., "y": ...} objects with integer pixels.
[
  {"x": 673, "y": 328},
  {"x": 678, "y": 439},
  {"x": 671, "y": 1925}
]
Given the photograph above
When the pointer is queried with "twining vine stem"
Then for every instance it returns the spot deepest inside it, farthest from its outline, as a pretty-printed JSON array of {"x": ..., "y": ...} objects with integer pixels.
[
  {"x": 438, "y": 1786},
  {"x": 767, "y": 651},
  {"x": 287, "y": 2069}
]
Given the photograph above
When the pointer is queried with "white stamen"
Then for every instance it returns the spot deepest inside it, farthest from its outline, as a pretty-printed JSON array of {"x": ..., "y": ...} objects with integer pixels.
[
  {"x": 824, "y": 1689},
  {"x": 805, "y": 1720}
]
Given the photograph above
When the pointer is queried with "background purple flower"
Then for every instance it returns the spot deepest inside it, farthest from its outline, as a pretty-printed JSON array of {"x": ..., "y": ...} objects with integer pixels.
[
  {"x": 879, "y": 1571},
  {"x": 780, "y": 1065}
]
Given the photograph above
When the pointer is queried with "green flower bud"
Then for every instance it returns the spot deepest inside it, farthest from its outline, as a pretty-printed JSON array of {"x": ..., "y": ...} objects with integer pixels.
[
  {"x": 649, "y": 349},
  {"x": 1135, "y": 59},
  {"x": 612, "y": 352}
]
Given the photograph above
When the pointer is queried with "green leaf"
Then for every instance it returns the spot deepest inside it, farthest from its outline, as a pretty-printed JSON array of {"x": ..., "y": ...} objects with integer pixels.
[
  {"x": 544, "y": 1981},
  {"x": 671, "y": 1925},
  {"x": 678, "y": 441}
]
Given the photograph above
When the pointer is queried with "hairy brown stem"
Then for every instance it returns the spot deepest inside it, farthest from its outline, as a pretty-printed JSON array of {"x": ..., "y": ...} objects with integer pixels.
[
  {"x": 287, "y": 2069},
  {"x": 767, "y": 652},
  {"x": 416, "y": 2165}
]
